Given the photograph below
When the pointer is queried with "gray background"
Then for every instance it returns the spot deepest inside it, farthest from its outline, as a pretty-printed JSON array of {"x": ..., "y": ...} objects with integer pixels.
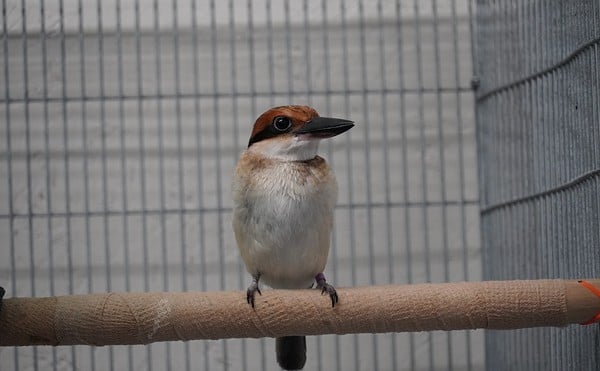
[{"x": 121, "y": 123}]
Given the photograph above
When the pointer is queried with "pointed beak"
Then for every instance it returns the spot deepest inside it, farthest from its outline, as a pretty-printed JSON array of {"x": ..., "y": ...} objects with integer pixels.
[{"x": 325, "y": 127}]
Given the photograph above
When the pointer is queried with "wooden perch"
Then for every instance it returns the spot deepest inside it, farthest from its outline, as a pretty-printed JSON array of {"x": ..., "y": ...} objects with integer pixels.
[{"x": 142, "y": 318}]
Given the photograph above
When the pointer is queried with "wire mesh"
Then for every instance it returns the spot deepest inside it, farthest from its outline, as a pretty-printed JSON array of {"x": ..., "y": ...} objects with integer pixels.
[
  {"x": 122, "y": 123},
  {"x": 538, "y": 115}
]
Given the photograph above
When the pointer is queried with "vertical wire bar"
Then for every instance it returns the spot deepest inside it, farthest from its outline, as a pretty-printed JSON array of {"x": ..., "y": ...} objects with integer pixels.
[
  {"x": 11, "y": 210},
  {"x": 66, "y": 158},
  {"x": 161, "y": 164},
  {"x": 288, "y": 51},
  {"x": 271, "y": 102},
  {"x": 122, "y": 150},
  {"x": 563, "y": 197},
  {"x": 47, "y": 166},
  {"x": 386, "y": 147},
  {"x": 507, "y": 233},
  {"x": 485, "y": 144},
  {"x": 327, "y": 67},
  {"x": 442, "y": 159},
  {"x": 367, "y": 153},
  {"x": 84, "y": 137},
  {"x": 461, "y": 166},
  {"x": 595, "y": 98},
  {"x": 440, "y": 135},
  {"x": 524, "y": 347},
  {"x": 270, "y": 62},
  {"x": 587, "y": 227},
  {"x": 24, "y": 43},
  {"x": 103, "y": 124},
  {"x": 497, "y": 154},
  {"x": 307, "y": 54},
  {"x": 251, "y": 61},
  {"x": 549, "y": 176},
  {"x": 559, "y": 206},
  {"x": 475, "y": 36},
  {"x": 66, "y": 161},
  {"x": 552, "y": 256},
  {"x": 47, "y": 180},
  {"x": 596, "y": 112},
  {"x": 103, "y": 144},
  {"x": 405, "y": 173},
  {"x": 142, "y": 146},
  {"x": 235, "y": 113},
  {"x": 253, "y": 95},
  {"x": 386, "y": 167},
  {"x": 180, "y": 172},
  {"x": 594, "y": 54},
  {"x": 553, "y": 225},
  {"x": 548, "y": 203},
  {"x": 476, "y": 83},
  {"x": 199, "y": 168},
  {"x": 141, "y": 142},
  {"x": 251, "y": 49},
  {"x": 48, "y": 176},
  {"x": 216, "y": 112},
  {"x": 422, "y": 141},
  {"x": 364, "y": 89},
  {"x": 234, "y": 94},
  {"x": 529, "y": 211},
  {"x": 308, "y": 79},
  {"x": 494, "y": 152},
  {"x": 349, "y": 164}
]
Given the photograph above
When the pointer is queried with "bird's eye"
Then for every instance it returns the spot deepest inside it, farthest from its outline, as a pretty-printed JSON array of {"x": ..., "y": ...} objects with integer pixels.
[{"x": 282, "y": 123}]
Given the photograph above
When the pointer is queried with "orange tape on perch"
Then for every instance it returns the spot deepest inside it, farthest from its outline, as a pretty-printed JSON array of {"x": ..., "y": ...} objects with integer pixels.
[
  {"x": 596, "y": 292},
  {"x": 142, "y": 318}
]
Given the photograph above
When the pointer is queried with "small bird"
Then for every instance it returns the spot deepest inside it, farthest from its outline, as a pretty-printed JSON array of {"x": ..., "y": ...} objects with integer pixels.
[{"x": 283, "y": 196}]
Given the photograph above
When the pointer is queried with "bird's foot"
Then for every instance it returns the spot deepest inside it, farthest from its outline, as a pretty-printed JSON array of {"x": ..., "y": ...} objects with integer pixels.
[
  {"x": 327, "y": 288},
  {"x": 252, "y": 290}
]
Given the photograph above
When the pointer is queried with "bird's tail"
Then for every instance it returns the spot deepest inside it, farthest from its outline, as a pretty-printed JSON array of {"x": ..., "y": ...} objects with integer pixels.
[{"x": 291, "y": 352}]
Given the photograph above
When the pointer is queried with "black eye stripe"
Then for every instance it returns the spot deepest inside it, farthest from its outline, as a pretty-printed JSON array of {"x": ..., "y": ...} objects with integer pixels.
[
  {"x": 266, "y": 133},
  {"x": 280, "y": 125}
]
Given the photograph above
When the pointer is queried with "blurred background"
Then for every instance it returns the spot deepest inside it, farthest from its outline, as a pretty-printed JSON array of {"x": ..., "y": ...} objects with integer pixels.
[{"x": 122, "y": 121}]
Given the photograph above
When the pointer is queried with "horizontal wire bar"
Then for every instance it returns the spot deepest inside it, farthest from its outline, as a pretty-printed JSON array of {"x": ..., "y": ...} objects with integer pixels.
[
  {"x": 534, "y": 76},
  {"x": 75, "y": 214},
  {"x": 203, "y": 29},
  {"x": 460, "y": 89},
  {"x": 570, "y": 184}
]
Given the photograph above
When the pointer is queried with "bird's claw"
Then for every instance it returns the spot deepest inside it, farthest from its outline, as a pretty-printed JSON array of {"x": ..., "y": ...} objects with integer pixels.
[
  {"x": 327, "y": 288},
  {"x": 252, "y": 289}
]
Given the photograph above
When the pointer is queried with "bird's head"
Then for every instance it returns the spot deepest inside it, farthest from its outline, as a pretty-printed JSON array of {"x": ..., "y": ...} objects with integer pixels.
[{"x": 292, "y": 133}]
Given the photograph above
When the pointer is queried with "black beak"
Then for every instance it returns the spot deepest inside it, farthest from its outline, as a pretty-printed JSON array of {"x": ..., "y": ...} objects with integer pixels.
[{"x": 325, "y": 127}]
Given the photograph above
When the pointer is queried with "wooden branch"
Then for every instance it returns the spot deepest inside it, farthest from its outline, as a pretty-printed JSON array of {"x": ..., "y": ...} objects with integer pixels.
[{"x": 142, "y": 318}]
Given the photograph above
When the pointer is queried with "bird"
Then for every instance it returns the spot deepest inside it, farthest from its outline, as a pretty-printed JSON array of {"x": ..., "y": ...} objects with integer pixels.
[{"x": 284, "y": 196}]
